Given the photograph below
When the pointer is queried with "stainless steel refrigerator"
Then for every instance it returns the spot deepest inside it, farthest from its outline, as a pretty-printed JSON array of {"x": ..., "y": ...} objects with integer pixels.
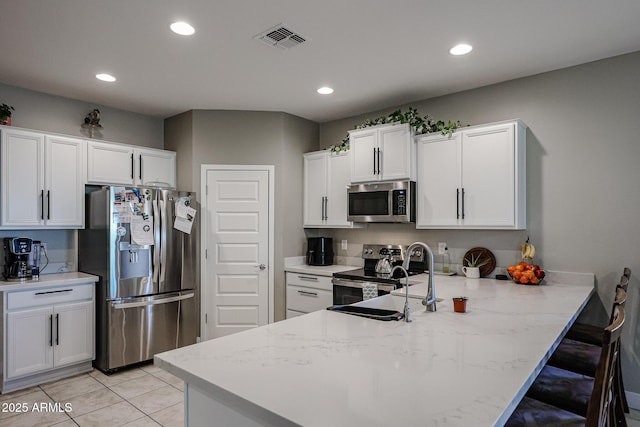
[{"x": 143, "y": 244}]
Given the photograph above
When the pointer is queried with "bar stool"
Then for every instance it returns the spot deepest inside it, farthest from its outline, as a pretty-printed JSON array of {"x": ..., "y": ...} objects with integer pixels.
[
  {"x": 560, "y": 397},
  {"x": 579, "y": 351}
]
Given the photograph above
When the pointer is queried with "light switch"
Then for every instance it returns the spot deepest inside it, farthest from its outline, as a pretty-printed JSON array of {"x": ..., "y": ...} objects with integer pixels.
[{"x": 344, "y": 245}]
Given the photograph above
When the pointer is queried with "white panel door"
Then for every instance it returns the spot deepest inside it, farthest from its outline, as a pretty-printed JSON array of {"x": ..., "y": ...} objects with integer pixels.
[
  {"x": 488, "y": 176},
  {"x": 315, "y": 188},
  {"x": 22, "y": 181},
  {"x": 29, "y": 342},
  {"x": 438, "y": 181},
  {"x": 155, "y": 167},
  {"x": 237, "y": 273},
  {"x": 64, "y": 181},
  {"x": 363, "y": 145},
  {"x": 109, "y": 164},
  {"x": 73, "y": 333},
  {"x": 395, "y": 152}
]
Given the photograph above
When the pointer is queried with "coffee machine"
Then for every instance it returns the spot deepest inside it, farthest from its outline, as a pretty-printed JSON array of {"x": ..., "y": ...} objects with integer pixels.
[{"x": 17, "y": 252}]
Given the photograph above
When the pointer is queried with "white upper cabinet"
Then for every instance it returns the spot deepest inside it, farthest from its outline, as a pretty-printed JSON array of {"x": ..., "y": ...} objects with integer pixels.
[
  {"x": 155, "y": 167},
  {"x": 382, "y": 153},
  {"x": 118, "y": 164},
  {"x": 42, "y": 180},
  {"x": 326, "y": 178},
  {"x": 475, "y": 178},
  {"x": 110, "y": 163}
]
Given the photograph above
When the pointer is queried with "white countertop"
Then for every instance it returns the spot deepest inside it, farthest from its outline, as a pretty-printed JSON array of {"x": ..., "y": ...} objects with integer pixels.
[
  {"x": 47, "y": 280},
  {"x": 444, "y": 368},
  {"x": 325, "y": 270}
]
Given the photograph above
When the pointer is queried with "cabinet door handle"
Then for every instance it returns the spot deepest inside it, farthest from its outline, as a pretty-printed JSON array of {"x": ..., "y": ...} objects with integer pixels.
[
  {"x": 307, "y": 293},
  {"x": 374, "y": 161},
  {"x": 41, "y": 204},
  {"x": 326, "y": 207},
  {"x": 53, "y": 292},
  {"x": 462, "y": 203},
  {"x": 132, "y": 166},
  {"x": 140, "y": 171},
  {"x": 48, "y": 204},
  {"x": 311, "y": 278},
  {"x": 51, "y": 330},
  {"x": 57, "y": 328},
  {"x": 457, "y": 203},
  {"x": 378, "y": 161}
]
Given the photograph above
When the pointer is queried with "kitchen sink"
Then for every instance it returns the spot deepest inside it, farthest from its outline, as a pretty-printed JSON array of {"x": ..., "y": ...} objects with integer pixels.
[{"x": 369, "y": 312}]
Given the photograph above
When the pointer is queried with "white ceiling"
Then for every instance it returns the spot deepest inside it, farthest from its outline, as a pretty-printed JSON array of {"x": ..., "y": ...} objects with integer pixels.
[{"x": 375, "y": 54}]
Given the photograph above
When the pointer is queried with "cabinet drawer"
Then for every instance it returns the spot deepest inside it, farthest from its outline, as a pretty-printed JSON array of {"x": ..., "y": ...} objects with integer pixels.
[
  {"x": 310, "y": 281},
  {"x": 308, "y": 299},
  {"x": 48, "y": 296}
]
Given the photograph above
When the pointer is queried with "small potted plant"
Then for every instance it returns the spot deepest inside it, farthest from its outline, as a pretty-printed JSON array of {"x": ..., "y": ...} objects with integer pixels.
[
  {"x": 472, "y": 267},
  {"x": 5, "y": 114}
]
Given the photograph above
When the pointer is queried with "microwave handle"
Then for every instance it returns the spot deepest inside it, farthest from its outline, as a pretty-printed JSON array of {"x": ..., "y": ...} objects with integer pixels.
[{"x": 378, "y": 161}]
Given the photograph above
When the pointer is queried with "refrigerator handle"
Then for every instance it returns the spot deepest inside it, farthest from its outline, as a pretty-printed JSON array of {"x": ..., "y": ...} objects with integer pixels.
[
  {"x": 156, "y": 239},
  {"x": 163, "y": 242},
  {"x": 154, "y": 301}
]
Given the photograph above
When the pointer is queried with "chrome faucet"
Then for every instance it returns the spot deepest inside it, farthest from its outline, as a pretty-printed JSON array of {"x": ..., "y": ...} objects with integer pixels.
[
  {"x": 406, "y": 289},
  {"x": 430, "y": 300}
]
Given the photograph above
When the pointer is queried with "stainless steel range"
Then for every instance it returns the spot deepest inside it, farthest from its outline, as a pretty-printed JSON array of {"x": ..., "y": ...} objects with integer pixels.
[{"x": 348, "y": 286}]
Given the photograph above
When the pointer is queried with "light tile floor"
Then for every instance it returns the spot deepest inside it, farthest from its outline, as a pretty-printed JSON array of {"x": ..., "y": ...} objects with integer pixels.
[{"x": 142, "y": 396}]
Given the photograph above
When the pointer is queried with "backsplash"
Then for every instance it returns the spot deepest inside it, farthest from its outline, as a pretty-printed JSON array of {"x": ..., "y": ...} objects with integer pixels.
[{"x": 61, "y": 248}]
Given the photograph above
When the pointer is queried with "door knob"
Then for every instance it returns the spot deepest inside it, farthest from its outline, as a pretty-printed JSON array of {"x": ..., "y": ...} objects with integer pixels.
[{"x": 262, "y": 266}]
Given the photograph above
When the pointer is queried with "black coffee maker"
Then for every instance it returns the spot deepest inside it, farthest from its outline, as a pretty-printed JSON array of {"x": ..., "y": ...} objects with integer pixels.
[
  {"x": 16, "y": 258},
  {"x": 320, "y": 251}
]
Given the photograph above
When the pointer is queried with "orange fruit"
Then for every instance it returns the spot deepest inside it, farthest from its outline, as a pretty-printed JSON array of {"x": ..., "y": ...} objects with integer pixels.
[
  {"x": 533, "y": 280},
  {"x": 517, "y": 274},
  {"x": 511, "y": 268},
  {"x": 523, "y": 263},
  {"x": 524, "y": 280}
]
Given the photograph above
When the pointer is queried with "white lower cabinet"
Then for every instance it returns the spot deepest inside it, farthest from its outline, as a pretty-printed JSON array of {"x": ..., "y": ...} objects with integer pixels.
[
  {"x": 307, "y": 293},
  {"x": 47, "y": 331}
]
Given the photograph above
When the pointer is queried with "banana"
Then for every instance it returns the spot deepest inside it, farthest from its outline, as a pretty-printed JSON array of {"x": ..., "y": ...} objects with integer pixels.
[
  {"x": 528, "y": 250},
  {"x": 532, "y": 251}
]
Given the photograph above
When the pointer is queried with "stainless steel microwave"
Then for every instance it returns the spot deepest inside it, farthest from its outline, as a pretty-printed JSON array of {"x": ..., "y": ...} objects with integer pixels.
[{"x": 382, "y": 202}]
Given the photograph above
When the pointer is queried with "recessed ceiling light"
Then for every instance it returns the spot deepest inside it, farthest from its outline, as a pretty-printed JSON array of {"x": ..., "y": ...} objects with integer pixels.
[
  {"x": 325, "y": 90},
  {"x": 182, "y": 28},
  {"x": 460, "y": 49},
  {"x": 105, "y": 77}
]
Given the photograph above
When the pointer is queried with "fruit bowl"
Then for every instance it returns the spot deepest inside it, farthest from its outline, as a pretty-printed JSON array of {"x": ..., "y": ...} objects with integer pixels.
[{"x": 526, "y": 274}]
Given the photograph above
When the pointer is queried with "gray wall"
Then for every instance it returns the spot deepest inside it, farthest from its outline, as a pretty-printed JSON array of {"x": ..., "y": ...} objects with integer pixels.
[
  {"x": 40, "y": 111},
  {"x": 583, "y": 191},
  {"x": 245, "y": 138}
]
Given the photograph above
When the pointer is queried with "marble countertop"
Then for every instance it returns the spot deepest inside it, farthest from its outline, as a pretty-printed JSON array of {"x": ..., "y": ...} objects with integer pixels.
[
  {"x": 325, "y": 270},
  {"x": 47, "y": 280},
  {"x": 443, "y": 368}
]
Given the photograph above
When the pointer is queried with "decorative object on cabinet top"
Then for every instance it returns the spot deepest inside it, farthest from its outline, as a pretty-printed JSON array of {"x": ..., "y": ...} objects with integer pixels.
[
  {"x": 482, "y": 258},
  {"x": 92, "y": 121},
  {"x": 420, "y": 125},
  {"x": 5, "y": 114}
]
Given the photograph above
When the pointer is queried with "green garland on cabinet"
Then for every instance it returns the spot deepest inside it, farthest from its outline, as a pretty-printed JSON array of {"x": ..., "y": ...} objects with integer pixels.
[{"x": 420, "y": 125}]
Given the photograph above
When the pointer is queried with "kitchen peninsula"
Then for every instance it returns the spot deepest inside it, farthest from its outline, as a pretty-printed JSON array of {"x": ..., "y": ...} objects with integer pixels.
[{"x": 329, "y": 368}]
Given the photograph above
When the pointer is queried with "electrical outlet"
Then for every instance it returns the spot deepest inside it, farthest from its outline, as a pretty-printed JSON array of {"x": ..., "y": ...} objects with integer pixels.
[
  {"x": 344, "y": 245},
  {"x": 442, "y": 248}
]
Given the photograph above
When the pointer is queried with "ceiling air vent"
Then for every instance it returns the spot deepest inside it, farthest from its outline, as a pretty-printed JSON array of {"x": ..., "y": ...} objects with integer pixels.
[{"x": 281, "y": 37}]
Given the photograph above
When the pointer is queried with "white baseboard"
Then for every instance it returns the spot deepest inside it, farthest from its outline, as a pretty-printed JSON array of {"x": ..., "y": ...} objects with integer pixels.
[{"x": 633, "y": 399}]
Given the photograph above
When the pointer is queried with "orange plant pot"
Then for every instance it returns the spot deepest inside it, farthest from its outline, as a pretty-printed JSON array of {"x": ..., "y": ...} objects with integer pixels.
[{"x": 460, "y": 304}]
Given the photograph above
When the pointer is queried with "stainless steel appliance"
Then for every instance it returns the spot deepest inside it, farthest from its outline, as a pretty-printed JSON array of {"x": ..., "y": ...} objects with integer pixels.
[
  {"x": 147, "y": 298},
  {"x": 348, "y": 285},
  {"x": 393, "y": 201},
  {"x": 320, "y": 251},
  {"x": 17, "y": 251}
]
